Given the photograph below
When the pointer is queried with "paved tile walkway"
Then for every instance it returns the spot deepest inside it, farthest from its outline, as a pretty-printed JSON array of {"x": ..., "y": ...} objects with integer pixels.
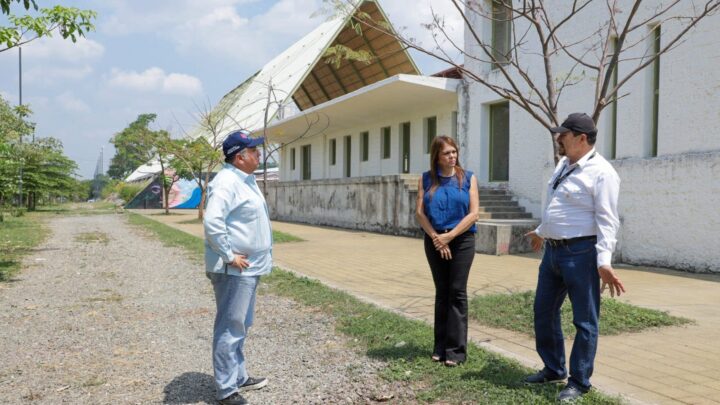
[{"x": 664, "y": 366}]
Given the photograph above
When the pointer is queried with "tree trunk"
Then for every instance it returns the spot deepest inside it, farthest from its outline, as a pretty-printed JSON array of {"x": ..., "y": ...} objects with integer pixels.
[
  {"x": 166, "y": 194},
  {"x": 201, "y": 208}
]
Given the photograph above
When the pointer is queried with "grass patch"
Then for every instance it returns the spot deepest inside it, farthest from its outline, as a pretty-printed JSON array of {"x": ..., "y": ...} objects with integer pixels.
[
  {"x": 18, "y": 236},
  {"x": 282, "y": 237},
  {"x": 170, "y": 236},
  {"x": 93, "y": 381},
  {"x": 92, "y": 237},
  {"x": 515, "y": 312},
  {"x": 173, "y": 237},
  {"x": 96, "y": 208},
  {"x": 278, "y": 237},
  {"x": 402, "y": 343}
]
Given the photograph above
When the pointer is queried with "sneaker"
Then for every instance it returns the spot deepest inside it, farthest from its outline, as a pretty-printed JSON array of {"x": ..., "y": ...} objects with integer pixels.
[
  {"x": 253, "y": 383},
  {"x": 234, "y": 399},
  {"x": 570, "y": 393},
  {"x": 541, "y": 377}
]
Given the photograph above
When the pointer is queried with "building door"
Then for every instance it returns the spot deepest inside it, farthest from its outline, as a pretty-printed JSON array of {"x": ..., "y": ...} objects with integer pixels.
[
  {"x": 405, "y": 147},
  {"x": 348, "y": 155},
  {"x": 499, "y": 141},
  {"x": 306, "y": 162}
]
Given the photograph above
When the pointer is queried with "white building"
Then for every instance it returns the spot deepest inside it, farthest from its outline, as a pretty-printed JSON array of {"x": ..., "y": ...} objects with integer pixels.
[
  {"x": 663, "y": 147},
  {"x": 381, "y": 129}
]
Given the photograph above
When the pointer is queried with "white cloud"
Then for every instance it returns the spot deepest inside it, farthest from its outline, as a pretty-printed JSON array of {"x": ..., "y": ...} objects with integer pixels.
[
  {"x": 59, "y": 49},
  {"x": 155, "y": 79},
  {"x": 129, "y": 18},
  {"x": 45, "y": 74},
  {"x": 69, "y": 102},
  {"x": 178, "y": 83},
  {"x": 224, "y": 32}
]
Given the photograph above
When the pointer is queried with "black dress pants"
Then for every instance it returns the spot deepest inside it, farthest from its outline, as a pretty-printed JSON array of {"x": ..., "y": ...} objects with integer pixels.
[{"x": 451, "y": 305}]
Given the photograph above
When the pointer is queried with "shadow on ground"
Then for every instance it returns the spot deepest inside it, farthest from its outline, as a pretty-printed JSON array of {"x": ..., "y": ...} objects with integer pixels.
[{"x": 190, "y": 388}]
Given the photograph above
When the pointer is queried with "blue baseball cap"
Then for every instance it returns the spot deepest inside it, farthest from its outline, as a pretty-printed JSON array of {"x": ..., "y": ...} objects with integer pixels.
[{"x": 239, "y": 140}]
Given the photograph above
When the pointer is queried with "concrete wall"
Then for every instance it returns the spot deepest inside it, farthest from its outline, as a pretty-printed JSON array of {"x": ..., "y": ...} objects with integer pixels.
[
  {"x": 670, "y": 211},
  {"x": 383, "y": 204},
  {"x": 375, "y": 165},
  {"x": 661, "y": 226}
]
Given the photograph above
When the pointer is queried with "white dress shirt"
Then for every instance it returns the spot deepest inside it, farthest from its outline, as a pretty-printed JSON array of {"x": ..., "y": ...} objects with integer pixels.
[
  {"x": 237, "y": 221},
  {"x": 583, "y": 204}
]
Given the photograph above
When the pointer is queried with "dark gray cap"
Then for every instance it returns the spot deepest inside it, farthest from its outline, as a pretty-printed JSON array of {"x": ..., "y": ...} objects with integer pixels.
[{"x": 577, "y": 122}]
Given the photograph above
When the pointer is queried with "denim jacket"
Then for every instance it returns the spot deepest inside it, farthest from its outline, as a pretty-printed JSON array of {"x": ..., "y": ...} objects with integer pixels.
[{"x": 237, "y": 221}]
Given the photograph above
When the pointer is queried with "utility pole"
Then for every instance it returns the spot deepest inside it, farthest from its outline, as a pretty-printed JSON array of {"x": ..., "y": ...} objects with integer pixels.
[{"x": 20, "y": 80}]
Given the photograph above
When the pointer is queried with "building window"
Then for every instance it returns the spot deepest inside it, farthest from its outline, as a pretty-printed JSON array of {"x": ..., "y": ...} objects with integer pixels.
[
  {"x": 364, "y": 146},
  {"x": 306, "y": 162},
  {"x": 430, "y": 132},
  {"x": 499, "y": 141},
  {"x": 348, "y": 155},
  {"x": 333, "y": 152},
  {"x": 656, "y": 92},
  {"x": 385, "y": 142},
  {"x": 501, "y": 31},
  {"x": 405, "y": 147},
  {"x": 292, "y": 158}
]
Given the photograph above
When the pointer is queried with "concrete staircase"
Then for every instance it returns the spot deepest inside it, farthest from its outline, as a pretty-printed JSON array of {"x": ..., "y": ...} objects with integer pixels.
[
  {"x": 496, "y": 203},
  {"x": 502, "y": 224}
]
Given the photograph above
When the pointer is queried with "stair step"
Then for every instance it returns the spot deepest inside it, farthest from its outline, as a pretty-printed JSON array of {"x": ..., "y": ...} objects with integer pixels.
[
  {"x": 495, "y": 198},
  {"x": 504, "y": 208},
  {"x": 492, "y": 191},
  {"x": 509, "y": 215},
  {"x": 498, "y": 203}
]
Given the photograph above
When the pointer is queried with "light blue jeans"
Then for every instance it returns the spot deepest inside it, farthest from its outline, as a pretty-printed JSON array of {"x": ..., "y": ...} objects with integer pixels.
[{"x": 235, "y": 302}]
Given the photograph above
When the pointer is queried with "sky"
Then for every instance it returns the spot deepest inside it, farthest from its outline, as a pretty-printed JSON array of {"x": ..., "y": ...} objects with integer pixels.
[{"x": 168, "y": 57}]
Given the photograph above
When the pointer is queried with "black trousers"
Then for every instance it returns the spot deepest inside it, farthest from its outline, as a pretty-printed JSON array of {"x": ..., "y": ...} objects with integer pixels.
[{"x": 451, "y": 305}]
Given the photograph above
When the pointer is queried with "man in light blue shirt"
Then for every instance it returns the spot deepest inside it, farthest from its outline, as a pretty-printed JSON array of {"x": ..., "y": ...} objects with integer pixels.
[{"x": 238, "y": 250}]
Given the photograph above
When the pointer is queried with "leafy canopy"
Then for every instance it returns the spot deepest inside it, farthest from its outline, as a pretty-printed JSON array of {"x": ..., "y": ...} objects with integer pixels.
[{"x": 70, "y": 22}]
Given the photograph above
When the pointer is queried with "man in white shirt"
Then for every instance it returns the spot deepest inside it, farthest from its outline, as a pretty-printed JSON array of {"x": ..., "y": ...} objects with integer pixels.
[
  {"x": 238, "y": 250},
  {"x": 578, "y": 229}
]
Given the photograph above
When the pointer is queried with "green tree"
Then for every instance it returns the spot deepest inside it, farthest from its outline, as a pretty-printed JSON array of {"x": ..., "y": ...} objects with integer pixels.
[
  {"x": 136, "y": 145},
  {"x": 129, "y": 153},
  {"x": 13, "y": 126},
  {"x": 5, "y": 5},
  {"x": 47, "y": 172},
  {"x": 69, "y": 22}
]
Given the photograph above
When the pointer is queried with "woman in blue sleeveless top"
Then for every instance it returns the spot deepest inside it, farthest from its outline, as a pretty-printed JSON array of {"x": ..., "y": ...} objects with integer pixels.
[{"x": 447, "y": 208}]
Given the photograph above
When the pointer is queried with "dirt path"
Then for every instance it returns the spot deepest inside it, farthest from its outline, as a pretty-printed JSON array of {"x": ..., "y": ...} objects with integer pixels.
[{"x": 103, "y": 313}]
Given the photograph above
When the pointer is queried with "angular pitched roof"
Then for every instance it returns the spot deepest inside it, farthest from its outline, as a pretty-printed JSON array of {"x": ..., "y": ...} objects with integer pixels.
[{"x": 300, "y": 73}]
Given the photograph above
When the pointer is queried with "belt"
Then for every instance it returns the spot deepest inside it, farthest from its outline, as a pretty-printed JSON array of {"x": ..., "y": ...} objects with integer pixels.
[
  {"x": 443, "y": 230},
  {"x": 567, "y": 242}
]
